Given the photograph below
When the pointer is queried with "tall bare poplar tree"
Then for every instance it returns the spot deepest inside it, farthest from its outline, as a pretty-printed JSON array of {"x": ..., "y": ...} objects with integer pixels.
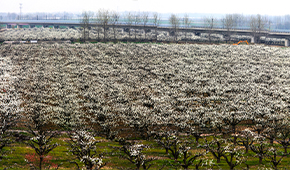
[
  {"x": 85, "y": 24},
  {"x": 129, "y": 20},
  {"x": 186, "y": 23},
  {"x": 175, "y": 22},
  {"x": 210, "y": 23},
  {"x": 145, "y": 19},
  {"x": 156, "y": 22},
  {"x": 115, "y": 17},
  {"x": 229, "y": 24},
  {"x": 257, "y": 24},
  {"x": 137, "y": 20},
  {"x": 98, "y": 22},
  {"x": 104, "y": 19}
]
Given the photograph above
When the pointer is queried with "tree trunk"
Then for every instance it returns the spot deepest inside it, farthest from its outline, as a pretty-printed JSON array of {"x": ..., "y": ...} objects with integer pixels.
[
  {"x": 84, "y": 34},
  {"x": 185, "y": 167},
  {"x": 166, "y": 149},
  {"x": 247, "y": 149},
  {"x": 235, "y": 140},
  {"x": 104, "y": 32},
  {"x": 197, "y": 139},
  {"x": 218, "y": 160},
  {"x": 156, "y": 33},
  {"x": 98, "y": 33},
  {"x": 89, "y": 167},
  {"x": 40, "y": 161},
  {"x": 260, "y": 160},
  {"x": 114, "y": 33},
  {"x": 271, "y": 141},
  {"x": 175, "y": 36},
  {"x": 285, "y": 149}
]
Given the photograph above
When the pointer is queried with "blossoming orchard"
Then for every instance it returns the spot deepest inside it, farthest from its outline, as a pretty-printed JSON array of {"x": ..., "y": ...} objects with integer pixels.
[{"x": 144, "y": 106}]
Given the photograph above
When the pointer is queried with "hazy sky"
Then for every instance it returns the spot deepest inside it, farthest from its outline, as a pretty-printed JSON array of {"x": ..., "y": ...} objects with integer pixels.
[{"x": 276, "y": 7}]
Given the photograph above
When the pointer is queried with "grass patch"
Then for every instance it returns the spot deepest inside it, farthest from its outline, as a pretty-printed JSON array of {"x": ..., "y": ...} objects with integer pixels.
[{"x": 60, "y": 155}]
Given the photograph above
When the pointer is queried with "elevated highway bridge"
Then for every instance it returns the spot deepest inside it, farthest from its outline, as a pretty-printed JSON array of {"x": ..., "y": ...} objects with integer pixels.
[{"x": 195, "y": 30}]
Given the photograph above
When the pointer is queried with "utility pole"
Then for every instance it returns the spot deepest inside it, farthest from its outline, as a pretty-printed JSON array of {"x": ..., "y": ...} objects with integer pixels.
[{"x": 20, "y": 10}]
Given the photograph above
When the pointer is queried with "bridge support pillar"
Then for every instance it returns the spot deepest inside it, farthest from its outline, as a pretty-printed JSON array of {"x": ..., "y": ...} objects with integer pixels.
[
  {"x": 286, "y": 42},
  {"x": 252, "y": 39}
]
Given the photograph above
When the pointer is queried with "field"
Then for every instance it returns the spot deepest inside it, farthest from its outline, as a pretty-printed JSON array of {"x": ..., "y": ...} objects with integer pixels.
[{"x": 143, "y": 91}]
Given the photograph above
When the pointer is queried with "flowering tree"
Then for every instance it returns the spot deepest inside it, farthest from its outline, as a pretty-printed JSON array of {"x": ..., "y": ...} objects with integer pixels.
[
  {"x": 260, "y": 147},
  {"x": 205, "y": 121},
  {"x": 180, "y": 149},
  {"x": 41, "y": 141},
  {"x": 246, "y": 139},
  {"x": 275, "y": 157},
  {"x": 10, "y": 111},
  {"x": 142, "y": 119},
  {"x": 133, "y": 153},
  {"x": 83, "y": 145},
  {"x": 38, "y": 120},
  {"x": 217, "y": 147},
  {"x": 274, "y": 125},
  {"x": 34, "y": 159},
  {"x": 283, "y": 136},
  {"x": 233, "y": 115},
  {"x": 234, "y": 155},
  {"x": 67, "y": 109},
  {"x": 108, "y": 124}
]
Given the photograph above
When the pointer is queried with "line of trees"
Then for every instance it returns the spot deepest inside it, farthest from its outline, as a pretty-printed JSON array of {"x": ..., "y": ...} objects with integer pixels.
[
  {"x": 257, "y": 24},
  {"x": 105, "y": 19}
]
